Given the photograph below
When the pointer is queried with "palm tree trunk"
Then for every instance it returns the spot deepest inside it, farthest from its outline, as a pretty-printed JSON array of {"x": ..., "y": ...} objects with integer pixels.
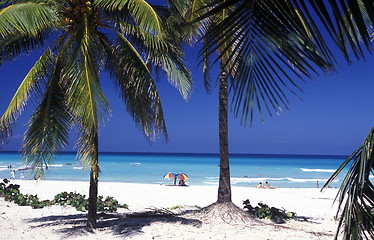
[
  {"x": 94, "y": 179},
  {"x": 224, "y": 187}
]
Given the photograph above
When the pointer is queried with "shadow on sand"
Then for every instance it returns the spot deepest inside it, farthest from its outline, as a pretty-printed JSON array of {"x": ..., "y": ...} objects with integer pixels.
[{"x": 125, "y": 225}]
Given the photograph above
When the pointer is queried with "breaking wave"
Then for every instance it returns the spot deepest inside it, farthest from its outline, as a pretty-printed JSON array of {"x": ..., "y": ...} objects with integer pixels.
[
  {"x": 317, "y": 170},
  {"x": 236, "y": 180}
]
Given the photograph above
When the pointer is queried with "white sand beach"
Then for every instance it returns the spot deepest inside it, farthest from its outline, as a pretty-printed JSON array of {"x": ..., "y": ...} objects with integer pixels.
[{"x": 56, "y": 222}]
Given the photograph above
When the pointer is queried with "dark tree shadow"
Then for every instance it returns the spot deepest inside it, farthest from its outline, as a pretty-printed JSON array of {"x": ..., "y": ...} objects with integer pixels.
[{"x": 125, "y": 225}]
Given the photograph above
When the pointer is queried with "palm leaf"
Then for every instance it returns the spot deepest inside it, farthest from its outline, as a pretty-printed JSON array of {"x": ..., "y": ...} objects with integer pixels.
[
  {"x": 163, "y": 53},
  {"x": 264, "y": 46},
  {"x": 40, "y": 71},
  {"x": 85, "y": 99},
  {"x": 186, "y": 11},
  {"x": 140, "y": 10},
  {"x": 17, "y": 43},
  {"x": 346, "y": 23},
  {"x": 47, "y": 133},
  {"x": 265, "y": 42},
  {"x": 356, "y": 194},
  {"x": 137, "y": 89},
  {"x": 27, "y": 18}
]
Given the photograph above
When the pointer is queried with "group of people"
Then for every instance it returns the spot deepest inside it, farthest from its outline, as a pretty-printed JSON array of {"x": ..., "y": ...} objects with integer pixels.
[
  {"x": 13, "y": 175},
  {"x": 180, "y": 183},
  {"x": 267, "y": 185}
]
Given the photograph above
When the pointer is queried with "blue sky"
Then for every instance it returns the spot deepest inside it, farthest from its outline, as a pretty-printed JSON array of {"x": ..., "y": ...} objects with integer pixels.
[{"x": 333, "y": 117}]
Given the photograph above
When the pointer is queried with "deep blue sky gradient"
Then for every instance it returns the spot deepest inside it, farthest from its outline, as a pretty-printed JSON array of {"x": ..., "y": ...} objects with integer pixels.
[{"x": 333, "y": 117}]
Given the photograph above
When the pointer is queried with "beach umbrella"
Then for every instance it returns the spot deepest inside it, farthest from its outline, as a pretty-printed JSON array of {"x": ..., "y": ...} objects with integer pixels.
[
  {"x": 170, "y": 175},
  {"x": 182, "y": 176}
]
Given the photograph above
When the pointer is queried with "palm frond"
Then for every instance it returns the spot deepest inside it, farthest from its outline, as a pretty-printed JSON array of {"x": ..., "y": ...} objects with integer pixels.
[
  {"x": 88, "y": 151},
  {"x": 356, "y": 193},
  {"x": 265, "y": 45},
  {"x": 136, "y": 85},
  {"x": 48, "y": 129},
  {"x": 17, "y": 43},
  {"x": 85, "y": 99},
  {"x": 185, "y": 12},
  {"x": 270, "y": 43},
  {"x": 164, "y": 53},
  {"x": 346, "y": 23},
  {"x": 140, "y": 10},
  {"x": 40, "y": 71},
  {"x": 28, "y": 18}
]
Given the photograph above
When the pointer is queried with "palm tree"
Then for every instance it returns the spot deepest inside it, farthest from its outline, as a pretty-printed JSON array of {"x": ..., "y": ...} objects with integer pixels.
[
  {"x": 356, "y": 194},
  {"x": 258, "y": 60},
  {"x": 349, "y": 24},
  {"x": 78, "y": 39}
]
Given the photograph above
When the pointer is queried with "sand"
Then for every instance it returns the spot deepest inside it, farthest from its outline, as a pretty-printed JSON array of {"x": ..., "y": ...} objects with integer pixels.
[{"x": 56, "y": 222}]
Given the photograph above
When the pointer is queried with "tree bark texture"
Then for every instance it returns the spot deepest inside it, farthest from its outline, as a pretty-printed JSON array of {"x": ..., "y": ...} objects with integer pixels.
[
  {"x": 224, "y": 187},
  {"x": 93, "y": 192}
]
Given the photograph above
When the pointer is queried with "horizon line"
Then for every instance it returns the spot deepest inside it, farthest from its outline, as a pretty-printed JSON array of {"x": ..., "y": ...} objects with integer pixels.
[{"x": 186, "y": 153}]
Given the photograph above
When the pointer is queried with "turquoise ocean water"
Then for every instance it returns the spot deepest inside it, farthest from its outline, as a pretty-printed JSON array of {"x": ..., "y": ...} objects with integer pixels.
[{"x": 202, "y": 169}]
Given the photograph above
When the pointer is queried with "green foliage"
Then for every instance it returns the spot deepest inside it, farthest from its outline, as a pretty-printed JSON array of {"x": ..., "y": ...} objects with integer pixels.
[
  {"x": 11, "y": 193},
  {"x": 263, "y": 211},
  {"x": 109, "y": 204},
  {"x": 76, "y": 200},
  {"x": 268, "y": 45},
  {"x": 356, "y": 193},
  {"x": 131, "y": 40}
]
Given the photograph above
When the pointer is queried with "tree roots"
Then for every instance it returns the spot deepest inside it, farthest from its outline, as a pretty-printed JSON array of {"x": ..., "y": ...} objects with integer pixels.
[{"x": 223, "y": 212}]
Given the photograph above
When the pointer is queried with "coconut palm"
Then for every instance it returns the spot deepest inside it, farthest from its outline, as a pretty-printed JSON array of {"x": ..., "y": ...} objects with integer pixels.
[
  {"x": 356, "y": 194},
  {"x": 260, "y": 57},
  {"x": 349, "y": 25},
  {"x": 77, "y": 40}
]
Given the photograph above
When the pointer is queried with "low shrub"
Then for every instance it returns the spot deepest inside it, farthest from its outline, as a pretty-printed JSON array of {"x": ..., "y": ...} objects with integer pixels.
[
  {"x": 263, "y": 211},
  {"x": 11, "y": 193},
  {"x": 76, "y": 200},
  {"x": 109, "y": 204}
]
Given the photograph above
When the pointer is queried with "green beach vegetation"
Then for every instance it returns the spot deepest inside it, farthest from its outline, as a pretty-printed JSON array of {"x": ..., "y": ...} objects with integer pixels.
[
  {"x": 263, "y": 211},
  {"x": 10, "y": 192}
]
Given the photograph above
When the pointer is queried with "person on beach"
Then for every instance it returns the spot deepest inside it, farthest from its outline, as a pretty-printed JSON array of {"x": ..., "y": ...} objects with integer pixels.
[
  {"x": 259, "y": 185},
  {"x": 317, "y": 184},
  {"x": 12, "y": 174},
  {"x": 267, "y": 185},
  {"x": 22, "y": 175},
  {"x": 182, "y": 183}
]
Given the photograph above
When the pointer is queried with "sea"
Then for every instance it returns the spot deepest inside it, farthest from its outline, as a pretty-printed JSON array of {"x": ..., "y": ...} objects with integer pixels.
[{"x": 285, "y": 171}]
